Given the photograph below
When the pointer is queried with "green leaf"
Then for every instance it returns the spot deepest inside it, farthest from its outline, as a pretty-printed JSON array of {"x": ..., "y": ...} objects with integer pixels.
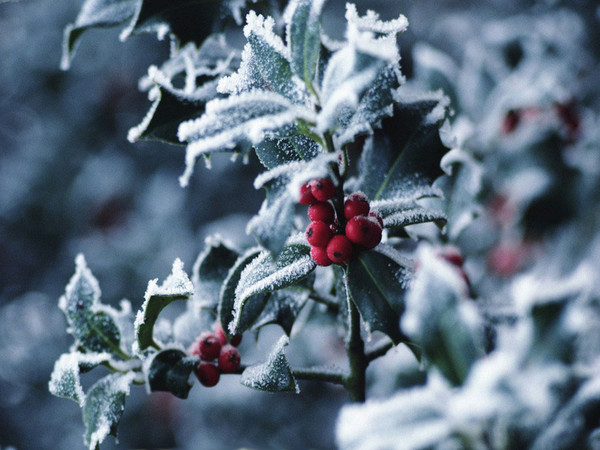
[
  {"x": 412, "y": 216},
  {"x": 273, "y": 152},
  {"x": 274, "y": 375},
  {"x": 211, "y": 269},
  {"x": 64, "y": 381},
  {"x": 440, "y": 318},
  {"x": 274, "y": 222},
  {"x": 95, "y": 14},
  {"x": 265, "y": 274},
  {"x": 243, "y": 119},
  {"x": 282, "y": 308},
  {"x": 375, "y": 104},
  {"x": 375, "y": 283},
  {"x": 177, "y": 286},
  {"x": 227, "y": 293},
  {"x": 403, "y": 156},
  {"x": 169, "y": 371},
  {"x": 304, "y": 37},
  {"x": 91, "y": 323},
  {"x": 103, "y": 407},
  {"x": 169, "y": 109}
]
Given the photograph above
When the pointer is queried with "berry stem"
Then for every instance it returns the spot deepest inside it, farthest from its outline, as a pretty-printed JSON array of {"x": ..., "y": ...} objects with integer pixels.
[
  {"x": 328, "y": 301},
  {"x": 355, "y": 381}
]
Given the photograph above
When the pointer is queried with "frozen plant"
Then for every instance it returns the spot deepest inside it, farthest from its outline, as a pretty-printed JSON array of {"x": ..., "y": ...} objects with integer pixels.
[{"x": 306, "y": 106}]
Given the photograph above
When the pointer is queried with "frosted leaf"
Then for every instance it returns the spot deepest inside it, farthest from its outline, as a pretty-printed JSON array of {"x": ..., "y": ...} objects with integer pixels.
[
  {"x": 227, "y": 292},
  {"x": 266, "y": 274},
  {"x": 177, "y": 286},
  {"x": 265, "y": 63},
  {"x": 64, "y": 381},
  {"x": 168, "y": 371},
  {"x": 414, "y": 216},
  {"x": 439, "y": 319},
  {"x": 302, "y": 18},
  {"x": 371, "y": 21},
  {"x": 374, "y": 106},
  {"x": 274, "y": 375},
  {"x": 246, "y": 118},
  {"x": 92, "y": 325},
  {"x": 376, "y": 283},
  {"x": 211, "y": 268},
  {"x": 94, "y": 13},
  {"x": 350, "y": 72},
  {"x": 104, "y": 407},
  {"x": 282, "y": 308}
]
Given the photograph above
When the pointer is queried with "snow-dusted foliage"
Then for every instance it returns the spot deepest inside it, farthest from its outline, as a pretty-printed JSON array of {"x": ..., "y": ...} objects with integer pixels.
[{"x": 477, "y": 173}]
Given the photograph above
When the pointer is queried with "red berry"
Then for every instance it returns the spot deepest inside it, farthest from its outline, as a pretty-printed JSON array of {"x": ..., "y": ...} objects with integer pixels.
[
  {"x": 364, "y": 231},
  {"x": 318, "y": 234},
  {"x": 321, "y": 212},
  {"x": 236, "y": 340},
  {"x": 209, "y": 346},
  {"x": 511, "y": 121},
  {"x": 356, "y": 205},
  {"x": 452, "y": 255},
  {"x": 221, "y": 335},
  {"x": 377, "y": 216},
  {"x": 306, "y": 196},
  {"x": 339, "y": 249},
  {"x": 322, "y": 189},
  {"x": 229, "y": 359},
  {"x": 208, "y": 374},
  {"x": 319, "y": 255}
]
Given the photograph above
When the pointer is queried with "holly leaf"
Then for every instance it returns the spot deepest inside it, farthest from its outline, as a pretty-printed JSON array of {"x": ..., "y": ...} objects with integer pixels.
[
  {"x": 169, "y": 371},
  {"x": 103, "y": 407},
  {"x": 64, "y": 380},
  {"x": 170, "y": 107},
  {"x": 304, "y": 37},
  {"x": 411, "y": 216},
  {"x": 266, "y": 274},
  {"x": 375, "y": 282},
  {"x": 94, "y": 14},
  {"x": 91, "y": 323},
  {"x": 402, "y": 158},
  {"x": 177, "y": 286},
  {"x": 227, "y": 292},
  {"x": 240, "y": 120},
  {"x": 282, "y": 308},
  {"x": 277, "y": 152},
  {"x": 211, "y": 269},
  {"x": 187, "y": 20},
  {"x": 275, "y": 375},
  {"x": 440, "y": 319}
]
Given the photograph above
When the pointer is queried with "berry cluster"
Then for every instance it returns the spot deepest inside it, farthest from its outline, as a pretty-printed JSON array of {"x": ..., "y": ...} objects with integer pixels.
[
  {"x": 333, "y": 239},
  {"x": 214, "y": 346}
]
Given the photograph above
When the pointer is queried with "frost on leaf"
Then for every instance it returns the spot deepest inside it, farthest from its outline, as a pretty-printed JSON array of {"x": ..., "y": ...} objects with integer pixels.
[
  {"x": 265, "y": 64},
  {"x": 94, "y": 13},
  {"x": 104, "y": 406},
  {"x": 210, "y": 270},
  {"x": 274, "y": 375},
  {"x": 245, "y": 119},
  {"x": 92, "y": 324},
  {"x": 302, "y": 18},
  {"x": 177, "y": 286},
  {"x": 371, "y": 22},
  {"x": 376, "y": 283},
  {"x": 403, "y": 156},
  {"x": 440, "y": 319},
  {"x": 351, "y": 71},
  {"x": 64, "y": 381},
  {"x": 266, "y": 274},
  {"x": 169, "y": 370}
]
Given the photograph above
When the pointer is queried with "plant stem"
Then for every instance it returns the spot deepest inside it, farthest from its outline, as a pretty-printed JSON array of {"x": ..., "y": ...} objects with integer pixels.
[
  {"x": 379, "y": 350},
  {"x": 329, "y": 375},
  {"x": 328, "y": 301},
  {"x": 355, "y": 381}
]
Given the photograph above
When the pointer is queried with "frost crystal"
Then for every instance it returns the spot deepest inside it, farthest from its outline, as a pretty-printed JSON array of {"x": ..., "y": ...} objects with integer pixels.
[
  {"x": 64, "y": 381},
  {"x": 371, "y": 22}
]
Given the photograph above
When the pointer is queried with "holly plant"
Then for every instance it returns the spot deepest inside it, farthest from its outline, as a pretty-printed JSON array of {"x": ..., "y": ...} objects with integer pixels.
[{"x": 350, "y": 162}]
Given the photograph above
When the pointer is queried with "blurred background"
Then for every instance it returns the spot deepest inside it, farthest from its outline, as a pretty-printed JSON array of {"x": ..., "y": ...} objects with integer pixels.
[{"x": 71, "y": 183}]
